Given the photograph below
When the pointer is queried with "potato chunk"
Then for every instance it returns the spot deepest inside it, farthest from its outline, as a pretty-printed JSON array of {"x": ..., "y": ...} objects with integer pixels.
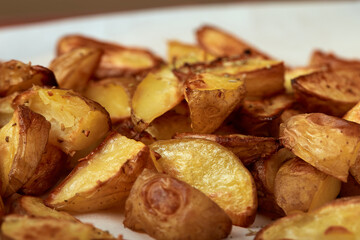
[
  {"x": 328, "y": 143},
  {"x": 102, "y": 179},
  {"x": 220, "y": 43},
  {"x": 335, "y": 220},
  {"x": 22, "y": 143},
  {"x": 16, "y": 76},
  {"x": 76, "y": 122},
  {"x": 158, "y": 92},
  {"x": 42, "y": 228},
  {"x": 74, "y": 69},
  {"x": 211, "y": 99},
  {"x": 215, "y": 171},
  {"x": 116, "y": 60},
  {"x": 167, "y": 208},
  {"x": 299, "y": 186}
]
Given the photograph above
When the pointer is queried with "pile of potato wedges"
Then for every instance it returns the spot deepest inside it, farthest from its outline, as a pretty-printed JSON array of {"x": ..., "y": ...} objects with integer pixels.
[{"x": 188, "y": 146}]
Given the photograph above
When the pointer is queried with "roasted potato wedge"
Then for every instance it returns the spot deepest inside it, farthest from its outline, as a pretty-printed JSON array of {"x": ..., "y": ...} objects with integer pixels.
[
  {"x": 262, "y": 117},
  {"x": 332, "y": 93},
  {"x": 116, "y": 61},
  {"x": 16, "y": 76},
  {"x": 247, "y": 148},
  {"x": 112, "y": 96},
  {"x": 22, "y": 143},
  {"x": 293, "y": 73},
  {"x": 335, "y": 220},
  {"x": 17, "y": 227},
  {"x": 328, "y": 143},
  {"x": 211, "y": 99},
  {"x": 335, "y": 62},
  {"x": 298, "y": 186},
  {"x": 167, "y": 208},
  {"x": 6, "y": 110},
  {"x": 104, "y": 178},
  {"x": 215, "y": 171},
  {"x": 76, "y": 122},
  {"x": 221, "y": 43},
  {"x": 161, "y": 87},
  {"x": 180, "y": 53},
  {"x": 74, "y": 69}
]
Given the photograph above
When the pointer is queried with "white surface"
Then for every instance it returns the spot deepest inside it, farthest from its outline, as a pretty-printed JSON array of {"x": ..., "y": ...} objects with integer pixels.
[{"x": 286, "y": 31}]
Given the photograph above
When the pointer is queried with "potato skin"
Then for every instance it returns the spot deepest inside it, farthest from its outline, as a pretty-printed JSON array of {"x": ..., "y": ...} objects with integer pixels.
[{"x": 167, "y": 208}]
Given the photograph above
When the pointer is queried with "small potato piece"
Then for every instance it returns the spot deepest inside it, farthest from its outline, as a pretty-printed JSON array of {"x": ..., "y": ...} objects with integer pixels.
[
  {"x": 336, "y": 220},
  {"x": 116, "y": 60},
  {"x": 167, "y": 208},
  {"x": 17, "y": 227},
  {"x": 16, "y": 76},
  {"x": 332, "y": 93},
  {"x": 291, "y": 74},
  {"x": 328, "y": 143},
  {"x": 335, "y": 62},
  {"x": 102, "y": 179},
  {"x": 112, "y": 96},
  {"x": 220, "y": 43},
  {"x": 180, "y": 53},
  {"x": 74, "y": 69},
  {"x": 215, "y": 171},
  {"x": 212, "y": 99},
  {"x": 299, "y": 186},
  {"x": 76, "y": 122},
  {"x": 22, "y": 143},
  {"x": 158, "y": 92},
  {"x": 247, "y": 148}
]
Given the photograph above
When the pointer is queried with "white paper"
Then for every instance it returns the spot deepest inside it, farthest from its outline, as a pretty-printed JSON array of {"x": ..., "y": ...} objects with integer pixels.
[{"x": 287, "y": 31}]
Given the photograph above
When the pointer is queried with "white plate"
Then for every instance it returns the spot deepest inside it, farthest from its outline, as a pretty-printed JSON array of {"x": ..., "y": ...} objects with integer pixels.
[{"x": 287, "y": 31}]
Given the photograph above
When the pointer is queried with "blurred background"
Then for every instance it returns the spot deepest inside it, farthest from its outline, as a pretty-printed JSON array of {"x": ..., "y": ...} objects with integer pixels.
[{"x": 28, "y": 11}]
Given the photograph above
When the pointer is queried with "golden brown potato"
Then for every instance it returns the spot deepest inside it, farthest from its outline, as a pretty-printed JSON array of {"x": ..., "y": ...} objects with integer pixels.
[
  {"x": 247, "y": 148},
  {"x": 335, "y": 62},
  {"x": 16, "y": 76},
  {"x": 293, "y": 73},
  {"x": 329, "y": 92},
  {"x": 22, "y": 143},
  {"x": 262, "y": 117},
  {"x": 335, "y": 220},
  {"x": 158, "y": 92},
  {"x": 167, "y": 208},
  {"x": 180, "y": 53},
  {"x": 35, "y": 207},
  {"x": 221, "y": 43},
  {"x": 116, "y": 61},
  {"x": 47, "y": 173},
  {"x": 74, "y": 69},
  {"x": 76, "y": 122},
  {"x": 102, "y": 179},
  {"x": 328, "y": 143},
  {"x": 112, "y": 96},
  {"x": 6, "y": 110},
  {"x": 298, "y": 186},
  {"x": 215, "y": 171},
  {"x": 17, "y": 227}
]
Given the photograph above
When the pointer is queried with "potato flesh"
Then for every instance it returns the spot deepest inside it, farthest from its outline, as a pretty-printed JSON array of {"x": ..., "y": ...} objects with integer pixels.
[
  {"x": 112, "y": 97},
  {"x": 110, "y": 160},
  {"x": 212, "y": 169},
  {"x": 328, "y": 143},
  {"x": 162, "y": 88},
  {"x": 341, "y": 215}
]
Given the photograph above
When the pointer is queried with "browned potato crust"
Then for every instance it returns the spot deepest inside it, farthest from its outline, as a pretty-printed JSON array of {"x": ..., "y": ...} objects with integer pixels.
[
  {"x": 127, "y": 128},
  {"x": 167, "y": 208},
  {"x": 221, "y": 43},
  {"x": 293, "y": 73},
  {"x": 328, "y": 143},
  {"x": 104, "y": 178},
  {"x": 335, "y": 62},
  {"x": 336, "y": 220},
  {"x": 247, "y": 148},
  {"x": 16, "y": 76},
  {"x": 116, "y": 61},
  {"x": 74, "y": 69},
  {"x": 333, "y": 93},
  {"x": 17, "y": 227}
]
